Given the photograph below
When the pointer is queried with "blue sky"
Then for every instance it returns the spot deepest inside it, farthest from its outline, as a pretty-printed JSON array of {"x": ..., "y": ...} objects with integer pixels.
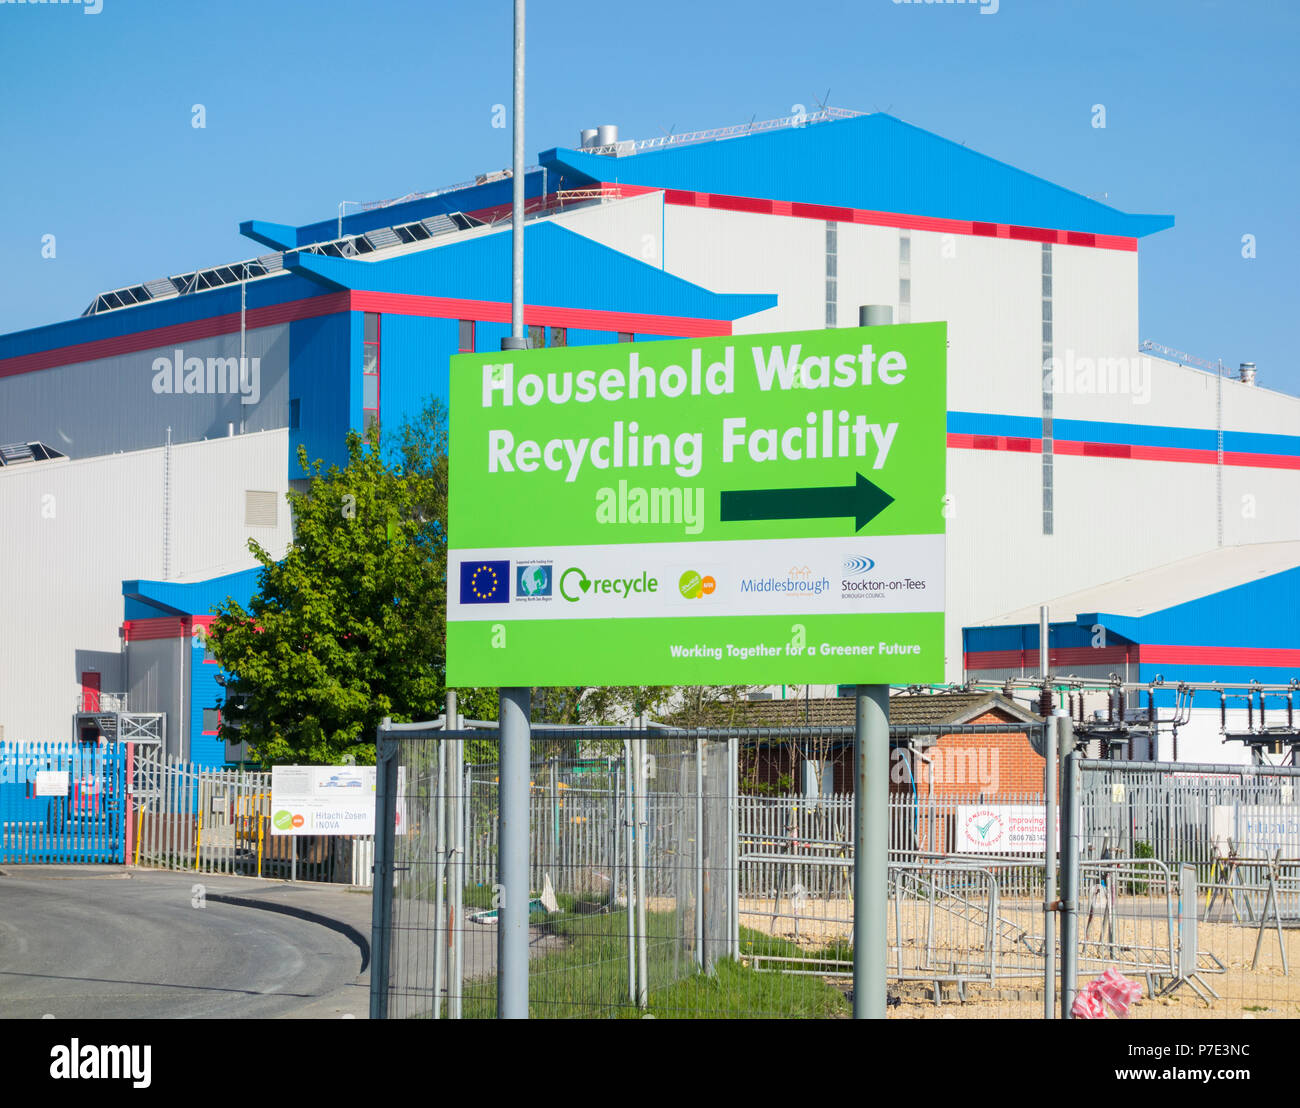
[{"x": 311, "y": 103}]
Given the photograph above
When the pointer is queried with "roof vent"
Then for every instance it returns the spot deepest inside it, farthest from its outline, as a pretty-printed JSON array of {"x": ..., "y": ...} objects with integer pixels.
[{"x": 1247, "y": 373}]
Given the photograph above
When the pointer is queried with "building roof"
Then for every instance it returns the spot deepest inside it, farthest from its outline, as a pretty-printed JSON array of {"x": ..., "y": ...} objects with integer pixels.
[
  {"x": 189, "y": 598},
  {"x": 840, "y": 712},
  {"x": 561, "y": 269},
  {"x": 1155, "y": 590},
  {"x": 874, "y": 162}
]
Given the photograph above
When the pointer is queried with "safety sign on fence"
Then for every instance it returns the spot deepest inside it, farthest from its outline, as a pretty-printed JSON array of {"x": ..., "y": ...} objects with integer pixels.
[
  {"x": 322, "y": 800},
  {"x": 737, "y": 509},
  {"x": 1003, "y": 829}
]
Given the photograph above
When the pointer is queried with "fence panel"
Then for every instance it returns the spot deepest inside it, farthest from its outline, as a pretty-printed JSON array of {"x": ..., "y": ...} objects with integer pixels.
[
  {"x": 1190, "y": 879},
  {"x": 63, "y": 802}
]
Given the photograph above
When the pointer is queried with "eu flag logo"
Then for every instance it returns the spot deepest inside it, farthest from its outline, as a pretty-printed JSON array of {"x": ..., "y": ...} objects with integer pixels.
[{"x": 484, "y": 582}]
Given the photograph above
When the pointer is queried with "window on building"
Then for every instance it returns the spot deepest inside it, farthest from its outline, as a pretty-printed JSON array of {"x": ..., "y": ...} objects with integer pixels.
[
  {"x": 295, "y": 414},
  {"x": 626, "y": 336},
  {"x": 559, "y": 336},
  {"x": 536, "y": 336},
  {"x": 466, "y": 343},
  {"x": 211, "y": 720},
  {"x": 370, "y": 372}
]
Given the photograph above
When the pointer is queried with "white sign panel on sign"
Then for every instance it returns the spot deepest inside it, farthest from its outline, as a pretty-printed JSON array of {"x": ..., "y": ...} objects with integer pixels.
[
  {"x": 1003, "y": 829},
  {"x": 52, "y": 782},
  {"x": 1257, "y": 830},
  {"x": 322, "y": 800}
]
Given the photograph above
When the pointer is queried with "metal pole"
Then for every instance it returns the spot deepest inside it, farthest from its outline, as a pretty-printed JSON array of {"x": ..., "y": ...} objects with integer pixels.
[
  {"x": 630, "y": 879},
  {"x": 699, "y": 853},
  {"x": 517, "y": 192},
  {"x": 454, "y": 881},
  {"x": 381, "y": 917},
  {"x": 642, "y": 983},
  {"x": 1044, "y": 658},
  {"x": 458, "y": 889},
  {"x": 870, "y": 850},
  {"x": 438, "y": 802},
  {"x": 733, "y": 845},
  {"x": 1070, "y": 835},
  {"x": 512, "y": 855},
  {"x": 1049, "y": 867}
]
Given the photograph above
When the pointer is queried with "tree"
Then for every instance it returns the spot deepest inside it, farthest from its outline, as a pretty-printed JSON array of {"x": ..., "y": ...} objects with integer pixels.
[{"x": 348, "y": 627}]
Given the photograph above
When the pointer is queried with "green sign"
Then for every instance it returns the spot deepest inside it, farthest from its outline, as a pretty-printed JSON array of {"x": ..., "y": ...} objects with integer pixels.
[{"x": 747, "y": 509}]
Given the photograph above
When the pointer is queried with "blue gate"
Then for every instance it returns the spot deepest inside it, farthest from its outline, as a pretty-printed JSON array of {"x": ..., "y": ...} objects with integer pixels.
[{"x": 62, "y": 802}]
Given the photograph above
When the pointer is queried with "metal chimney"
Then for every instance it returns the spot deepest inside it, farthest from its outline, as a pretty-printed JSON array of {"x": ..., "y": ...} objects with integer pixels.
[{"x": 1247, "y": 373}]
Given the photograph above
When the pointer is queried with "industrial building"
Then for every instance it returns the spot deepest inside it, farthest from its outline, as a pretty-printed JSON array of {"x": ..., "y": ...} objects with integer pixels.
[{"x": 157, "y": 432}]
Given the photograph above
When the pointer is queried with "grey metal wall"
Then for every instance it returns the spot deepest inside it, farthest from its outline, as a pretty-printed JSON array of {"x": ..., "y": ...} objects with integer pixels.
[{"x": 109, "y": 405}]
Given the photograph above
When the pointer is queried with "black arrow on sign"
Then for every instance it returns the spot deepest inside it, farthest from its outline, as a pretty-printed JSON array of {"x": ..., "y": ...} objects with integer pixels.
[{"x": 861, "y": 500}]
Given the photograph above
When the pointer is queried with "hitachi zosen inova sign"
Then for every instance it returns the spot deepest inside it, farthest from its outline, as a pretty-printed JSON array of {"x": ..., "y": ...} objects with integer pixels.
[{"x": 746, "y": 509}]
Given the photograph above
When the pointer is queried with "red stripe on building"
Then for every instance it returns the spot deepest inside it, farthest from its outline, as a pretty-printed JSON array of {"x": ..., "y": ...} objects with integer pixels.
[
  {"x": 828, "y": 212},
  {"x": 159, "y": 337},
  {"x": 1059, "y": 656},
  {"x": 995, "y": 442},
  {"x": 1126, "y": 451},
  {"x": 1220, "y": 655},
  {"x": 160, "y": 627},
  {"x": 490, "y": 311},
  {"x": 359, "y": 301}
]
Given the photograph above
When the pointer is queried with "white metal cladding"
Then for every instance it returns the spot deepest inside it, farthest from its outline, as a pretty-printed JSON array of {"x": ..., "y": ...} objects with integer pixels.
[
  {"x": 990, "y": 292},
  {"x": 744, "y": 252},
  {"x": 77, "y": 529},
  {"x": 109, "y": 405},
  {"x": 867, "y": 264},
  {"x": 1094, "y": 305},
  {"x": 634, "y": 226}
]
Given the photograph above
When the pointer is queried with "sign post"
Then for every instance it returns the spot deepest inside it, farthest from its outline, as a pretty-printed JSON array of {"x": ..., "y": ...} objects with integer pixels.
[
  {"x": 758, "y": 509},
  {"x": 752, "y": 509}
]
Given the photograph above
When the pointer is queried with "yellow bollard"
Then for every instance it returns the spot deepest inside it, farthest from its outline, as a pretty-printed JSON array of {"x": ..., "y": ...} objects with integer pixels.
[
  {"x": 260, "y": 818},
  {"x": 139, "y": 827}
]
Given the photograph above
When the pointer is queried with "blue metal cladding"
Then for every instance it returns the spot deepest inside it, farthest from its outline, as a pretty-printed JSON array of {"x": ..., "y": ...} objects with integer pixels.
[
  {"x": 205, "y": 692},
  {"x": 1131, "y": 434},
  {"x": 561, "y": 269},
  {"x": 322, "y": 353},
  {"x": 149, "y": 599},
  {"x": 875, "y": 162},
  {"x": 85, "y": 824},
  {"x": 414, "y": 353},
  {"x": 1262, "y": 614},
  {"x": 1024, "y": 636}
]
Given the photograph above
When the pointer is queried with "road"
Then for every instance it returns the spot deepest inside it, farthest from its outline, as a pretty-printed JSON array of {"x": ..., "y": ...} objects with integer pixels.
[{"x": 108, "y": 942}]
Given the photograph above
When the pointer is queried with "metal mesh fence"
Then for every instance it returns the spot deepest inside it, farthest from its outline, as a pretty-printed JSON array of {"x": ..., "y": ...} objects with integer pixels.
[
  {"x": 208, "y": 820},
  {"x": 1190, "y": 880},
  {"x": 627, "y": 872}
]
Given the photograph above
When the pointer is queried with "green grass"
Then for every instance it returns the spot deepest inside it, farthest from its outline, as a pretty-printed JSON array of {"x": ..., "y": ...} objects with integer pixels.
[{"x": 585, "y": 976}]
